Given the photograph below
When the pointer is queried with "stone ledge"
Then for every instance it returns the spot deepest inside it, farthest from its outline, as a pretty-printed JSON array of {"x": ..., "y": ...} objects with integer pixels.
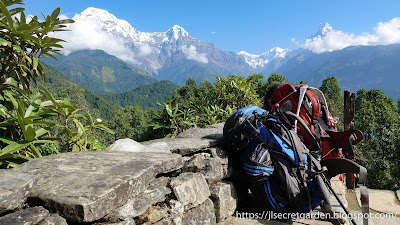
[{"x": 86, "y": 186}]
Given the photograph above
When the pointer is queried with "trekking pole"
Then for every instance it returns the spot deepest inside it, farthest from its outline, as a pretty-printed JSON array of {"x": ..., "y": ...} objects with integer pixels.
[{"x": 337, "y": 198}]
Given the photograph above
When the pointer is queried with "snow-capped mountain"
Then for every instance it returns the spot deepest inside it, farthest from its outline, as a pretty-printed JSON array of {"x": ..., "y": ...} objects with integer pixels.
[
  {"x": 258, "y": 62},
  {"x": 323, "y": 30},
  {"x": 158, "y": 52}
]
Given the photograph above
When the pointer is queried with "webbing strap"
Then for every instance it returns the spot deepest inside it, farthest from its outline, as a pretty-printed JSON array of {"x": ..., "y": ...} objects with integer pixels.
[{"x": 338, "y": 166}]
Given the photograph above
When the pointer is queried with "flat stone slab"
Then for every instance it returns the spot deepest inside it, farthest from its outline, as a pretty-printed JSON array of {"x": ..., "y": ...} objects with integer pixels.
[
  {"x": 381, "y": 201},
  {"x": 86, "y": 186},
  {"x": 185, "y": 146},
  {"x": 29, "y": 216},
  {"x": 14, "y": 189}
]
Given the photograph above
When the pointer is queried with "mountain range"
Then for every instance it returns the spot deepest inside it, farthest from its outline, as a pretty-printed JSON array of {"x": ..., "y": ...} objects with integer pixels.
[{"x": 174, "y": 55}]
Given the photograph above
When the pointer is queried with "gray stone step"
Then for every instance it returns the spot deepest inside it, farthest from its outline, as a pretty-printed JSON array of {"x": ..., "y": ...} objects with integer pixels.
[
  {"x": 381, "y": 201},
  {"x": 86, "y": 186}
]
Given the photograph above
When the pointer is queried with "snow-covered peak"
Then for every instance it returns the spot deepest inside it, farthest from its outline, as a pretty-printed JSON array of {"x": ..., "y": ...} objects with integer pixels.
[
  {"x": 253, "y": 60},
  {"x": 257, "y": 61},
  {"x": 109, "y": 22},
  {"x": 176, "y": 31},
  {"x": 323, "y": 30},
  {"x": 275, "y": 52}
]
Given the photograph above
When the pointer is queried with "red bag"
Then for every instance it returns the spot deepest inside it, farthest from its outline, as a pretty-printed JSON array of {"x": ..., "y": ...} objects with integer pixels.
[{"x": 326, "y": 141}]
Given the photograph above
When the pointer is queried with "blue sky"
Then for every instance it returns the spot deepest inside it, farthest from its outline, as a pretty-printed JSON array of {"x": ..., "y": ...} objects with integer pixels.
[{"x": 254, "y": 26}]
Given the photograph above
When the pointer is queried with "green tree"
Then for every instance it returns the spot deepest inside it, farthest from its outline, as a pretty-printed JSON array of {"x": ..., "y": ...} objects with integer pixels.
[
  {"x": 235, "y": 91},
  {"x": 258, "y": 81},
  {"x": 204, "y": 105},
  {"x": 275, "y": 79},
  {"x": 331, "y": 89},
  {"x": 334, "y": 98},
  {"x": 128, "y": 123},
  {"x": 377, "y": 116}
]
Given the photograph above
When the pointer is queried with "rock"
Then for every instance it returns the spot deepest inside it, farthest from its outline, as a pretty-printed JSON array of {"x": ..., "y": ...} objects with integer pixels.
[
  {"x": 202, "y": 214},
  {"x": 224, "y": 197},
  {"x": 14, "y": 189},
  {"x": 54, "y": 219},
  {"x": 126, "y": 222},
  {"x": 185, "y": 146},
  {"x": 212, "y": 168},
  {"x": 190, "y": 189},
  {"x": 195, "y": 132},
  {"x": 29, "y": 216},
  {"x": 219, "y": 154},
  {"x": 165, "y": 214},
  {"x": 86, "y": 186},
  {"x": 398, "y": 194},
  {"x": 381, "y": 201},
  {"x": 129, "y": 145},
  {"x": 139, "y": 204}
]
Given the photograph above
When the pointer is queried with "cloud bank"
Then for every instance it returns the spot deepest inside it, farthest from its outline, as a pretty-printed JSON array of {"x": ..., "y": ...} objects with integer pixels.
[
  {"x": 191, "y": 53},
  {"x": 385, "y": 33},
  {"x": 86, "y": 33}
]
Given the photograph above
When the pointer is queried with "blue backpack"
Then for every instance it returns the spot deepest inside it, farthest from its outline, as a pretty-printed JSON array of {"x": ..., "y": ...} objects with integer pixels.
[{"x": 281, "y": 171}]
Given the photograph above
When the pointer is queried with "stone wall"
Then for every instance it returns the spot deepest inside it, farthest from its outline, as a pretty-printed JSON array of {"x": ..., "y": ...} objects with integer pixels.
[{"x": 183, "y": 180}]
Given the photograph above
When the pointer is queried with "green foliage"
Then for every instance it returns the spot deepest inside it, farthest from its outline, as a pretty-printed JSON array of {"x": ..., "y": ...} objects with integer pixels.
[
  {"x": 145, "y": 96},
  {"x": 61, "y": 86},
  {"x": 330, "y": 88},
  {"x": 171, "y": 120},
  {"x": 235, "y": 91},
  {"x": 23, "y": 127},
  {"x": 27, "y": 120},
  {"x": 333, "y": 94},
  {"x": 377, "y": 116},
  {"x": 129, "y": 122},
  {"x": 204, "y": 105},
  {"x": 275, "y": 79},
  {"x": 22, "y": 43},
  {"x": 76, "y": 134}
]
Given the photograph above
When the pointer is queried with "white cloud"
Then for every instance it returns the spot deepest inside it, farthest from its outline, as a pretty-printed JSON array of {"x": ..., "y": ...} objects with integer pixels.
[
  {"x": 145, "y": 50},
  {"x": 385, "y": 33},
  {"x": 191, "y": 53},
  {"x": 86, "y": 33}
]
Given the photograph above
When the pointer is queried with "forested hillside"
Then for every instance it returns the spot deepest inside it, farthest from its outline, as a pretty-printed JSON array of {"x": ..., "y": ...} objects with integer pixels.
[
  {"x": 146, "y": 96},
  {"x": 62, "y": 87},
  {"x": 100, "y": 72}
]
